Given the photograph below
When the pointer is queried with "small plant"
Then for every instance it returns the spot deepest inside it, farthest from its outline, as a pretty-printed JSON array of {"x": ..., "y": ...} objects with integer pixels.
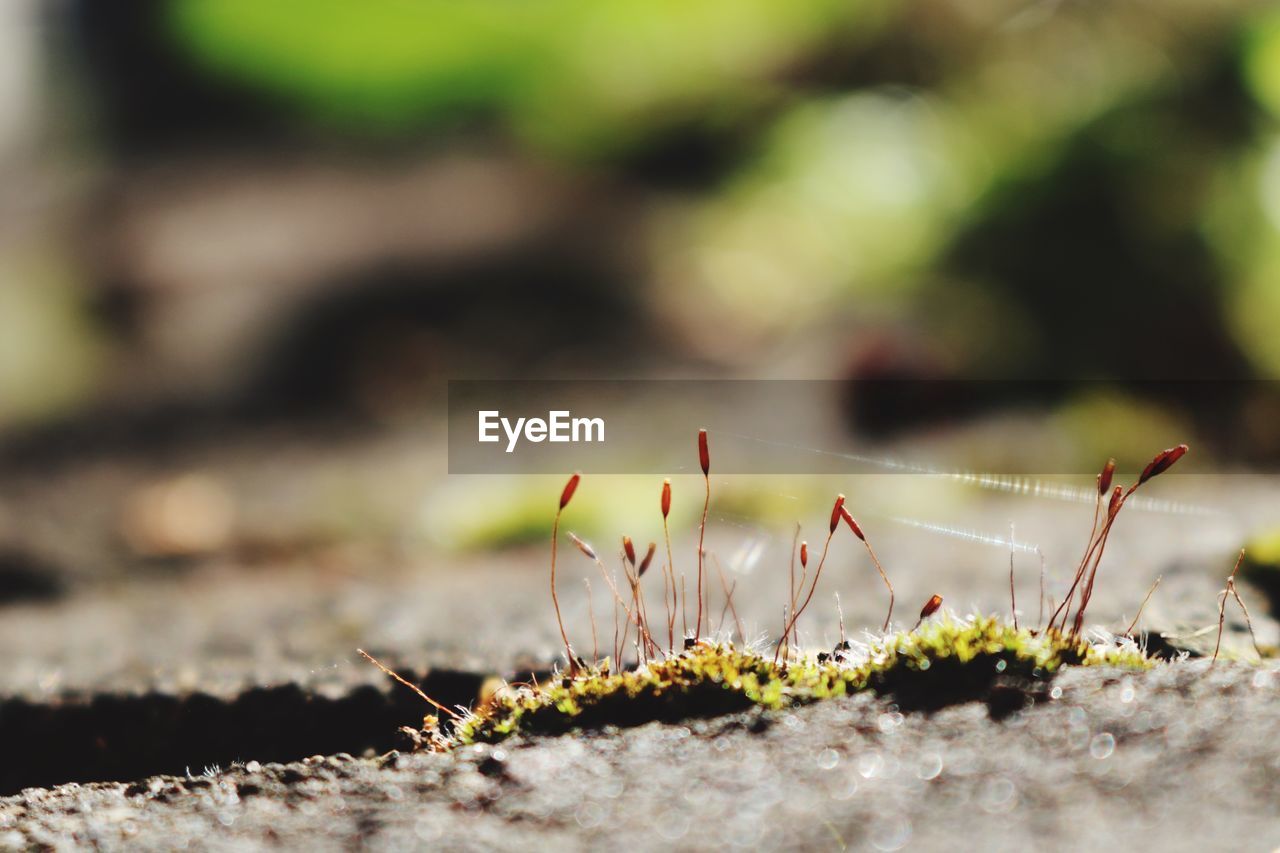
[{"x": 936, "y": 662}]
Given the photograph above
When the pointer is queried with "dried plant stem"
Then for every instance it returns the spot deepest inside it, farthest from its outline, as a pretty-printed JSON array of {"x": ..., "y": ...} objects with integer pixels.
[
  {"x": 702, "y": 531},
  {"x": 1040, "y": 613},
  {"x": 791, "y": 570},
  {"x": 842, "y": 512},
  {"x": 783, "y": 643},
  {"x": 415, "y": 688},
  {"x": 1089, "y": 565},
  {"x": 1129, "y": 631},
  {"x": 879, "y": 568},
  {"x": 684, "y": 606},
  {"x": 1222, "y": 618},
  {"x": 704, "y": 459},
  {"x": 591, "y": 611},
  {"x": 669, "y": 597},
  {"x": 1247, "y": 621},
  {"x": 611, "y": 582},
  {"x": 724, "y": 611},
  {"x": 642, "y": 619},
  {"x": 670, "y": 570},
  {"x": 1088, "y": 551},
  {"x": 728, "y": 594},
  {"x": 1087, "y": 594},
  {"x": 817, "y": 574},
  {"x": 626, "y": 630},
  {"x": 1222, "y": 610},
  {"x": 840, "y": 615},
  {"x": 1013, "y": 595},
  {"x": 637, "y": 609},
  {"x": 618, "y": 600},
  {"x": 617, "y": 655},
  {"x": 804, "y": 575},
  {"x": 555, "y": 600}
]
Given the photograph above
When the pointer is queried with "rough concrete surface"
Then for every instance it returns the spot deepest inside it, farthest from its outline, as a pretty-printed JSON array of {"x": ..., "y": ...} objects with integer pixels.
[
  {"x": 1181, "y": 758},
  {"x": 131, "y": 685}
]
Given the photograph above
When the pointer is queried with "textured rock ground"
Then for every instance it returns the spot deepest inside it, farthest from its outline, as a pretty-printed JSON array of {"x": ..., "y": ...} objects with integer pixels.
[
  {"x": 1181, "y": 758},
  {"x": 115, "y": 674}
]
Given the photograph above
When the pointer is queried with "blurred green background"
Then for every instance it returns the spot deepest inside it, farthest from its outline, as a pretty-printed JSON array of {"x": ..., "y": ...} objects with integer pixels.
[
  {"x": 999, "y": 189},
  {"x": 231, "y": 223}
]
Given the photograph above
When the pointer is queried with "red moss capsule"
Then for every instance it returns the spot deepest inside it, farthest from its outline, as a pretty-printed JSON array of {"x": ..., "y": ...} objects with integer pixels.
[
  {"x": 648, "y": 558},
  {"x": 704, "y": 455},
  {"x": 1104, "y": 479},
  {"x": 666, "y": 498},
  {"x": 629, "y": 549},
  {"x": 1117, "y": 498},
  {"x": 569, "y": 488},
  {"x": 1163, "y": 462},
  {"x": 853, "y": 525},
  {"x": 804, "y": 553},
  {"x": 930, "y": 607},
  {"x": 835, "y": 512}
]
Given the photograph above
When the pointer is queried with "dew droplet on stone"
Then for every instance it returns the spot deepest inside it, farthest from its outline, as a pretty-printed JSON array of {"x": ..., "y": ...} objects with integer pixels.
[
  {"x": 998, "y": 796},
  {"x": 845, "y": 790},
  {"x": 930, "y": 767},
  {"x": 891, "y": 835},
  {"x": 869, "y": 764},
  {"x": 1102, "y": 745}
]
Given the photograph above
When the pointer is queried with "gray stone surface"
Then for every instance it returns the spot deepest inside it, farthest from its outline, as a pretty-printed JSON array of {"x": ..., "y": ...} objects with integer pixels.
[
  {"x": 1181, "y": 758},
  {"x": 248, "y": 655}
]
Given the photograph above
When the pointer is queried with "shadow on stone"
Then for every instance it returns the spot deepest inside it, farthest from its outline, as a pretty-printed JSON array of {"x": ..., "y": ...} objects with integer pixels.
[{"x": 121, "y": 738}]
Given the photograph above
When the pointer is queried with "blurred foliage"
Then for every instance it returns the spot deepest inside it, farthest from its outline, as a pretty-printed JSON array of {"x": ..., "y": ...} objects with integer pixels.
[
  {"x": 1108, "y": 424},
  {"x": 50, "y": 351},
  {"x": 852, "y": 191},
  {"x": 865, "y": 195},
  {"x": 925, "y": 160},
  {"x": 569, "y": 74},
  {"x": 1262, "y": 60},
  {"x": 1025, "y": 189}
]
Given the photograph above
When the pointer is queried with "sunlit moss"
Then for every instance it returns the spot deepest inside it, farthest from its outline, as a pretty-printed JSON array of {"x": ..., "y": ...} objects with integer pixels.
[{"x": 711, "y": 679}]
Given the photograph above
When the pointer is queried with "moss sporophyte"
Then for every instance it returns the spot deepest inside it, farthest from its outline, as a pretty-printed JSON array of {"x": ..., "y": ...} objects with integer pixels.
[{"x": 943, "y": 658}]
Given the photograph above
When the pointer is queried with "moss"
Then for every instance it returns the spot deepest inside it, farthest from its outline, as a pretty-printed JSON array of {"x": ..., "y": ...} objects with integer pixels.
[{"x": 943, "y": 662}]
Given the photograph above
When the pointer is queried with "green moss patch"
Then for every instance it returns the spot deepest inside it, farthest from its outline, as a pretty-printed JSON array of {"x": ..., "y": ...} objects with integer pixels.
[{"x": 944, "y": 662}]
